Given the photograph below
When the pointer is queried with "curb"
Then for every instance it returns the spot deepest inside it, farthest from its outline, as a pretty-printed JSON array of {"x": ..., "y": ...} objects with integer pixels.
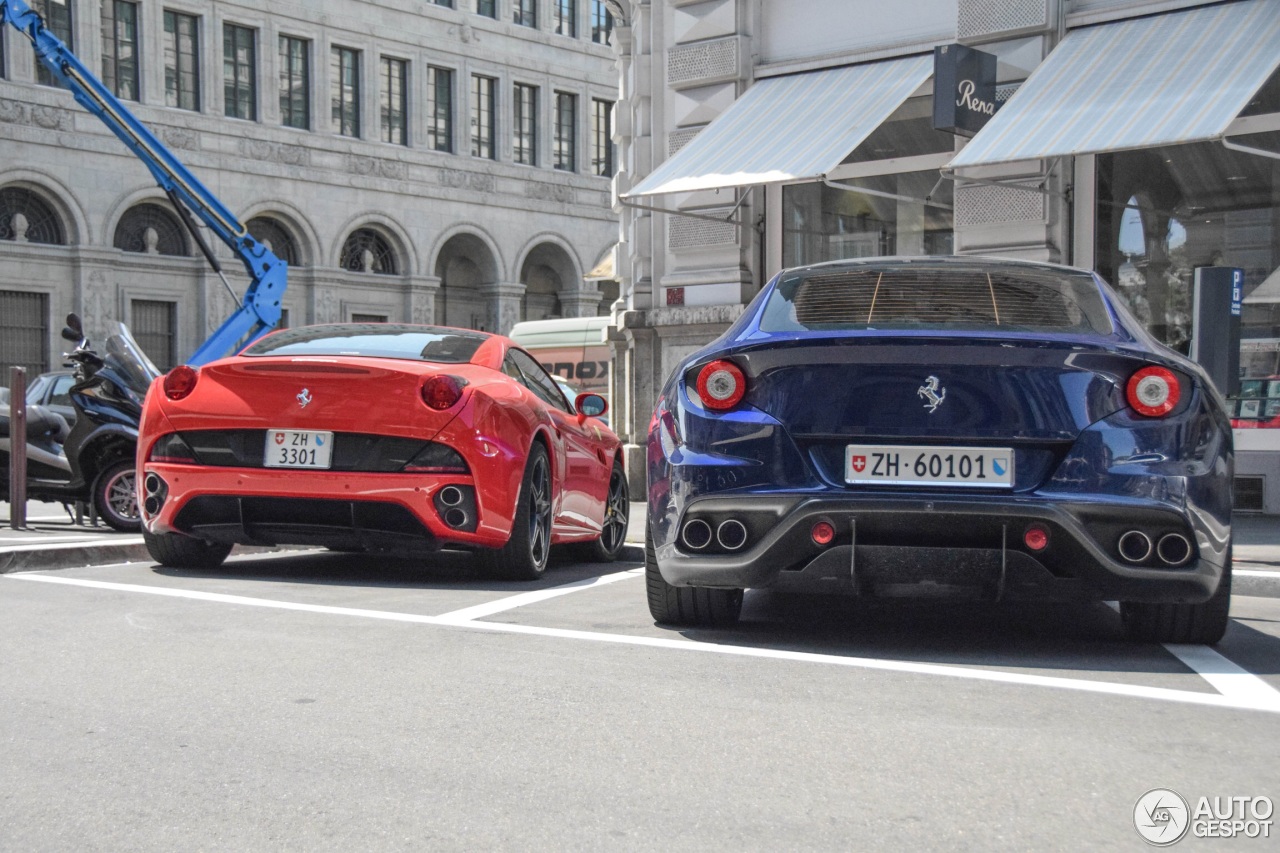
[{"x": 73, "y": 555}]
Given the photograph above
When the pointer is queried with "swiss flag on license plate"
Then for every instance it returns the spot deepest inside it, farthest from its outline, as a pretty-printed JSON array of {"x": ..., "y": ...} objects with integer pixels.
[
  {"x": 859, "y": 463},
  {"x": 279, "y": 438}
]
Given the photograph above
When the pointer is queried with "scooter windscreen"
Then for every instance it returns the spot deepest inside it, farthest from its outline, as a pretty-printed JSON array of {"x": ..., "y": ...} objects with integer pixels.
[{"x": 129, "y": 361}]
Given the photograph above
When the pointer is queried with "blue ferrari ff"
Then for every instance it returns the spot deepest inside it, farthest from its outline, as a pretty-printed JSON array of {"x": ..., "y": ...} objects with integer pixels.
[{"x": 942, "y": 427}]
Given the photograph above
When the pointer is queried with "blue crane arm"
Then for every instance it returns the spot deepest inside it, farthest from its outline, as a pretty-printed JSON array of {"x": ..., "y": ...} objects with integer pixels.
[{"x": 259, "y": 310}]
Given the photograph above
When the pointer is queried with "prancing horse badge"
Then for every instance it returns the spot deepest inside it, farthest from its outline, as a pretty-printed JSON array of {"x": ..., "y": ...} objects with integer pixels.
[{"x": 932, "y": 394}]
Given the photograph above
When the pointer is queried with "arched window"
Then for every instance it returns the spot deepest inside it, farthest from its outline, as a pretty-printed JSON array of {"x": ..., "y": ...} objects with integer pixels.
[
  {"x": 276, "y": 236},
  {"x": 27, "y": 218},
  {"x": 151, "y": 229},
  {"x": 368, "y": 251}
]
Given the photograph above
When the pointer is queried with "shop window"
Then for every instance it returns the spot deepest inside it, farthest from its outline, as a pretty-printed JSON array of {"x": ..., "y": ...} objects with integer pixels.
[
  {"x": 825, "y": 223},
  {"x": 1163, "y": 212},
  {"x": 907, "y": 133}
]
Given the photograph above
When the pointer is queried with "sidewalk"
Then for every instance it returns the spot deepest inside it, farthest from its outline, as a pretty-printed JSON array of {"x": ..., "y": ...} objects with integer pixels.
[{"x": 52, "y": 540}]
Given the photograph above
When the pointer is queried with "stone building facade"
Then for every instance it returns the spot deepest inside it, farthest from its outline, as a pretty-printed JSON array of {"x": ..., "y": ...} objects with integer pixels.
[
  {"x": 443, "y": 161},
  {"x": 701, "y": 233}
]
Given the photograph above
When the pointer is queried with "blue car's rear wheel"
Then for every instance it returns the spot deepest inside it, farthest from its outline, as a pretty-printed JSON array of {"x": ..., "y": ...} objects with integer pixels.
[
  {"x": 699, "y": 607},
  {"x": 1181, "y": 623}
]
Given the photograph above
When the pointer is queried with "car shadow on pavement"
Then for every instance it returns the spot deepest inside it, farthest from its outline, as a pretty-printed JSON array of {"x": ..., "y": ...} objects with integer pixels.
[
  {"x": 458, "y": 570},
  {"x": 1033, "y": 635}
]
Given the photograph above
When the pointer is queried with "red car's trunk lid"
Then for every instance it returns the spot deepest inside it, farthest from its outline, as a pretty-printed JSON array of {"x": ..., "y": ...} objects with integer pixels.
[{"x": 352, "y": 395}]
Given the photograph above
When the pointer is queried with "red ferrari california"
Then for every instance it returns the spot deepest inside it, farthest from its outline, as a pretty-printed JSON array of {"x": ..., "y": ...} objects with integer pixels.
[{"x": 378, "y": 437}]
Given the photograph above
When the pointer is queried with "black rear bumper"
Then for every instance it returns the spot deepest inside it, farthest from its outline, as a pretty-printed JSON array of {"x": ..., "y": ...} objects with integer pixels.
[{"x": 888, "y": 546}]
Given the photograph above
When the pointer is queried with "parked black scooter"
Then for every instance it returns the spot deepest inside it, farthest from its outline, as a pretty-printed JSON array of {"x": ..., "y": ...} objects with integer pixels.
[{"x": 95, "y": 461}]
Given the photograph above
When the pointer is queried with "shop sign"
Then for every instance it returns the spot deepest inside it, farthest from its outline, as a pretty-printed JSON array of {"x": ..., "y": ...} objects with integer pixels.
[{"x": 964, "y": 89}]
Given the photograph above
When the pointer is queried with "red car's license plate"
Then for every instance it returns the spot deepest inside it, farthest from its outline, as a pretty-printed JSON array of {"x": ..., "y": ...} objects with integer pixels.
[
  {"x": 297, "y": 448},
  {"x": 929, "y": 465}
]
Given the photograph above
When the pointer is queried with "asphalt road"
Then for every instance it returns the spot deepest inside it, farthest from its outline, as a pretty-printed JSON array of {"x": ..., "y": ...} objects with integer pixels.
[{"x": 316, "y": 701}]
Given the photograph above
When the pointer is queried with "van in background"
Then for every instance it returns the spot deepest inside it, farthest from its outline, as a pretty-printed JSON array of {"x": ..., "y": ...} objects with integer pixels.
[{"x": 573, "y": 347}]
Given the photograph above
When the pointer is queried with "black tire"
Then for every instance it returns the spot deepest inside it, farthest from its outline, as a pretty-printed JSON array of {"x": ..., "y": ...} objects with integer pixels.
[
  {"x": 524, "y": 557},
  {"x": 698, "y": 607},
  {"x": 1181, "y": 623},
  {"x": 613, "y": 537},
  {"x": 183, "y": 552},
  {"x": 115, "y": 496}
]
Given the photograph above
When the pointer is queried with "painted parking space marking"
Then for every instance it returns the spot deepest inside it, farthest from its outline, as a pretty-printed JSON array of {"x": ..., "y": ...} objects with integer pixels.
[
  {"x": 51, "y": 546},
  {"x": 1225, "y": 676},
  {"x": 1241, "y": 696},
  {"x": 468, "y": 614}
]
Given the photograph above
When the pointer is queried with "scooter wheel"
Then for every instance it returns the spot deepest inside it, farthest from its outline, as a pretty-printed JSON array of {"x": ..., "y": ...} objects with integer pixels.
[{"x": 115, "y": 496}]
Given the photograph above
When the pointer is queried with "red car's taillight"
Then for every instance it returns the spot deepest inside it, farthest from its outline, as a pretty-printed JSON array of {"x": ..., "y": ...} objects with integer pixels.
[
  {"x": 721, "y": 385},
  {"x": 180, "y": 381},
  {"x": 1153, "y": 391},
  {"x": 442, "y": 392}
]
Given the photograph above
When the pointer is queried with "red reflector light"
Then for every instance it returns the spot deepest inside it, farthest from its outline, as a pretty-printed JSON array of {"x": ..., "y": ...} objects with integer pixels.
[
  {"x": 1036, "y": 538},
  {"x": 1153, "y": 391},
  {"x": 721, "y": 385},
  {"x": 822, "y": 533},
  {"x": 441, "y": 392},
  {"x": 180, "y": 381}
]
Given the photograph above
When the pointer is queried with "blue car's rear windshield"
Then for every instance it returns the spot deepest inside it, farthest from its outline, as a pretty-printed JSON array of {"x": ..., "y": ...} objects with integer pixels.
[
  {"x": 373, "y": 340},
  {"x": 943, "y": 297}
]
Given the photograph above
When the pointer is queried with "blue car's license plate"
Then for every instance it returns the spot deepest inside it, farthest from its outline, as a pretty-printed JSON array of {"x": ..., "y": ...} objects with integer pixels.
[{"x": 928, "y": 465}]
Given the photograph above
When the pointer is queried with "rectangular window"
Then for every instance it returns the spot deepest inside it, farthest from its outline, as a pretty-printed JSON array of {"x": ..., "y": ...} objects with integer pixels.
[
  {"x": 368, "y": 318},
  {"x": 566, "y": 17},
  {"x": 24, "y": 334},
  {"x": 181, "y": 61},
  {"x": 440, "y": 109},
  {"x": 483, "y": 132},
  {"x": 566, "y": 152},
  {"x": 153, "y": 326},
  {"x": 57, "y": 18},
  {"x": 295, "y": 82},
  {"x": 120, "y": 48},
  {"x": 602, "y": 138},
  {"x": 488, "y": 8},
  {"x": 446, "y": 3},
  {"x": 601, "y": 23},
  {"x": 822, "y": 223},
  {"x": 395, "y": 101},
  {"x": 344, "y": 69},
  {"x": 3, "y": 64},
  {"x": 525, "y": 124},
  {"x": 525, "y": 13},
  {"x": 239, "y": 72}
]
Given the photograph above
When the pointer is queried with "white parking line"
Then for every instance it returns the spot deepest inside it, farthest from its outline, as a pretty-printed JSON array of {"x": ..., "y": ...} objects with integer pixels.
[
  {"x": 53, "y": 546},
  {"x": 468, "y": 614},
  {"x": 1225, "y": 676},
  {"x": 1238, "y": 697}
]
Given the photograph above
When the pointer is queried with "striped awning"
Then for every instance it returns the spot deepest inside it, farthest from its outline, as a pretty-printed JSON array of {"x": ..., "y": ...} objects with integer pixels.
[
  {"x": 1160, "y": 80},
  {"x": 788, "y": 128}
]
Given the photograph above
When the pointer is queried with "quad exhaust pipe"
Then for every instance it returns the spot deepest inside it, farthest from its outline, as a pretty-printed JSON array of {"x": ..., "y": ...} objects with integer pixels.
[
  {"x": 697, "y": 534},
  {"x": 1173, "y": 549}
]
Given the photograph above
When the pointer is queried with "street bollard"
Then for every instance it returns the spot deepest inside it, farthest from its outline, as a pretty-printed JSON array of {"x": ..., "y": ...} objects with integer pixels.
[{"x": 17, "y": 447}]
